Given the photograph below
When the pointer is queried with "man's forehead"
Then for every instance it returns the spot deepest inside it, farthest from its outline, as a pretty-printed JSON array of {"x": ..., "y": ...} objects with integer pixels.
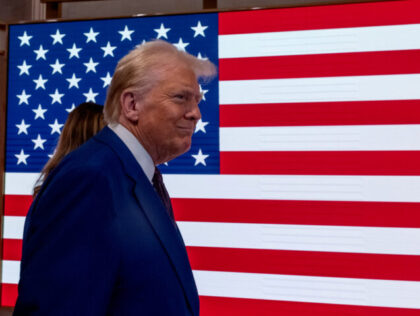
[
  {"x": 181, "y": 87},
  {"x": 180, "y": 76}
]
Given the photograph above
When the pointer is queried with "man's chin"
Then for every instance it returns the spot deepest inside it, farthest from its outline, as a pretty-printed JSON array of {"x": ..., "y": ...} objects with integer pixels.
[
  {"x": 177, "y": 151},
  {"x": 186, "y": 147}
]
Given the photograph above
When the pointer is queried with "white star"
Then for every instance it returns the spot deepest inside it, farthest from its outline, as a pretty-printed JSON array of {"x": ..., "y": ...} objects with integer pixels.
[
  {"x": 23, "y": 98},
  {"x": 57, "y": 37},
  {"x": 91, "y": 36},
  {"x": 74, "y": 51},
  {"x": 22, "y": 157},
  {"x": 55, "y": 128},
  {"x": 23, "y": 128},
  {"x": 108, "y": 49},
  {"x": 200, "y": 158},
  {"x": 107, "y": 80},
  {"x": 203, "y": 93},
  {"x": 71, "y": 108},
  {"x": 181, "y": 45},
  {"x": 199, "y": 29},
  {"x": 39, "y": 142},
  {"x": 24, "y": 68},
  {"x": 201, "y": 126},
  {"x": 40, "y": 82},
  {"x": 161, "y": 32},
  {"x": 56, "y": 96},
  {"x": 39, "y": 112},
  {"x": 90, "y": 96},
  {"x": 126, "y": 34},
  {"x": 40, "y": 53},
  {"x": 91, "y": 65},
  {"x": 73, "y": 81},
  {"x": 24, "y": 39},
  {"x": 201, "y": 57},
  {"x": 57, "y": 67}
]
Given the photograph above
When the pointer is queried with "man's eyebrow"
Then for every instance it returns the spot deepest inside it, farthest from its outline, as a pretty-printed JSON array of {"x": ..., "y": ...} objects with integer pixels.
[
  {"x": 181, "y": 90},
  {"x": 191, "y": 92}
]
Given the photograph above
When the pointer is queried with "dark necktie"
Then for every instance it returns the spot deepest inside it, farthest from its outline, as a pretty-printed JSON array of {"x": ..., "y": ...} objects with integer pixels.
[{"x": 161, "y": 191}]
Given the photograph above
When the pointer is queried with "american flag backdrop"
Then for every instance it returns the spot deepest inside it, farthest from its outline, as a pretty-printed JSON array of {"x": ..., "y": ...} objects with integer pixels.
[{"x": 301, "y": 192}]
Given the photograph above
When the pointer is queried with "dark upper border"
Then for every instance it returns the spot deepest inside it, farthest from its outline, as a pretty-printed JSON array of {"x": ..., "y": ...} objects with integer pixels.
[{"x": 310, "y": 3}]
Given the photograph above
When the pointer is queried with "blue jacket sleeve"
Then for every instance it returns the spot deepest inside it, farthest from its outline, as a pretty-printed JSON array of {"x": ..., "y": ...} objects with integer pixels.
[{"x": 70, "y": 251}]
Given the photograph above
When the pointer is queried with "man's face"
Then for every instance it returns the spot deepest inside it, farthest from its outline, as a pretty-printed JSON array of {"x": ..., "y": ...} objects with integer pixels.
[{"x": 168, "y": 114}]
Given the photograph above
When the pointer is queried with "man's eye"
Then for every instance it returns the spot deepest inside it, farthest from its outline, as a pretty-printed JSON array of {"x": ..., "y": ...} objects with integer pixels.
[{"x": 180, "y": 96}]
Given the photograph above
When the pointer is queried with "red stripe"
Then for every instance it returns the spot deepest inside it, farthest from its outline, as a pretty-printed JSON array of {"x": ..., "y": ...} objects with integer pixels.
[
  {"x": 321, "y": 17},
  {"x": 336, "y": 213},
  {"x": 210, "y": 306},
  {"x": 220, "y": 306},
  {"x": 371, "y": 266},
  {"x": 309, "y": 263},
  {"x": 9, "y": 293},
  {"x": 341, "y": 213},
  {"x": 225, "y": 306},
  {"x": 288, "y": 262},
  {"x": 12, "y": 249},
  {"x": 325, "y": 65},
  {"x": 17, "y": 205},
  {"x": 373, "y": 163},
  {"x": 321, "y": 113}
]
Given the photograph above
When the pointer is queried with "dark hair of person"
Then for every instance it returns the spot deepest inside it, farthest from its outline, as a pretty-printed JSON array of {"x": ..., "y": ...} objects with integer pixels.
[{"x": 82, "y": 123}]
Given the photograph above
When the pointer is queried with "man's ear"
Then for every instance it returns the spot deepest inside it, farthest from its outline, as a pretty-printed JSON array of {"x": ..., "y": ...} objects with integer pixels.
[{"x": 129, "y": 108}]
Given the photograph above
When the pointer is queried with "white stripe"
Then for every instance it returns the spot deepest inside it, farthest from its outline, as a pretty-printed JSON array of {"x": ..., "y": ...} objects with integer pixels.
[
  {"x": 354, "y": 39},
  {"x": 282, "y": 187},
  {"x": 13, "y": 227},
  {"x": 273, "y": 187},
  {"x": 20, "y": 183},
  {"x": 320, "y": 138},
  {"x": 287, "y": 237},
  {"x": 379, "y": 240},
  {"x": 362, "y": 292},
  {"x": 10, "y": 271},
  {"x": 328, "y": 89}
]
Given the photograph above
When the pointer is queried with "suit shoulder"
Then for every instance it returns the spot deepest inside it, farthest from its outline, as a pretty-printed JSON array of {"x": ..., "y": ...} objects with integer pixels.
[{"x": 92, "y": 157}]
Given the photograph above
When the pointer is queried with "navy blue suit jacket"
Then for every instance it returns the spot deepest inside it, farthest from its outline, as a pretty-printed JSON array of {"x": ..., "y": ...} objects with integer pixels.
[{"x": 98, "y": 241}]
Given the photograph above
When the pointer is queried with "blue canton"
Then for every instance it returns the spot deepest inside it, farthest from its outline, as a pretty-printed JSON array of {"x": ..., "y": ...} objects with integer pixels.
[{"x": 56, "y": 66}]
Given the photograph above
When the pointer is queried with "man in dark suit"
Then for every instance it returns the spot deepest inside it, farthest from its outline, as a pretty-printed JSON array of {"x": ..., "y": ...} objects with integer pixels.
[{"x": 100, "y": 238}]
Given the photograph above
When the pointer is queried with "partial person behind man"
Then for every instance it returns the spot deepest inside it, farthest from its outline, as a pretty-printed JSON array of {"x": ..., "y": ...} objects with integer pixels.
[
  {"x": 100, "y": 238},
  {"x": 82, "y": 123}
]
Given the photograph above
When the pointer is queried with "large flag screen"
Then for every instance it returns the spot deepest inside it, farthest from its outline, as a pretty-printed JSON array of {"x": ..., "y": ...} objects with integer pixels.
[{"x": 301, "y": 192}]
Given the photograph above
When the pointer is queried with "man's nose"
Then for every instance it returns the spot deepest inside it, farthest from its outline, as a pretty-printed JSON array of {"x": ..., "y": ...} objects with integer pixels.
[{"x": 194, "y": 113}]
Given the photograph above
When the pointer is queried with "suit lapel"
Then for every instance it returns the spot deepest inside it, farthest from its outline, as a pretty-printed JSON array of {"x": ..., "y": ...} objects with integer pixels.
[
  {"x": 169, "y": 237},
  {"x": 156, "y": 213}
]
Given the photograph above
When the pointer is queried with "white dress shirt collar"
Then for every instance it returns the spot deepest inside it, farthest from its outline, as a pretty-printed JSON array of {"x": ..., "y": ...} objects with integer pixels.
[{"x": 136, "y": 148}]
